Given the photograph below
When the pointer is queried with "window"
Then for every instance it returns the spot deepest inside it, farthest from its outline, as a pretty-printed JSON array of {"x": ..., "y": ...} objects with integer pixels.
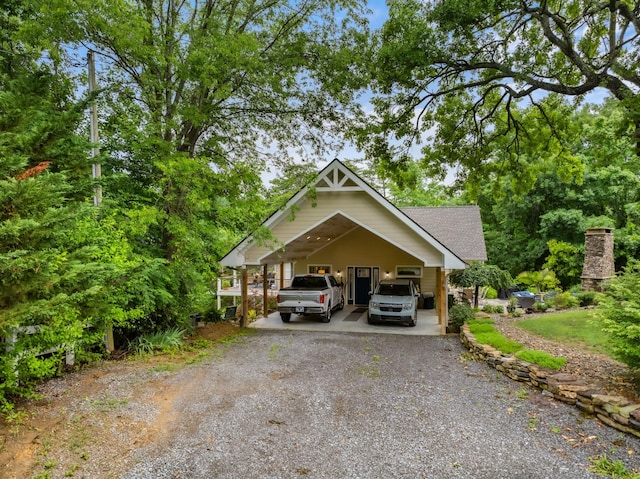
[
  {"x": 408, "y": 271},
  {"x": 319, "y": 269},
  {"x": 364, "y": 272}
]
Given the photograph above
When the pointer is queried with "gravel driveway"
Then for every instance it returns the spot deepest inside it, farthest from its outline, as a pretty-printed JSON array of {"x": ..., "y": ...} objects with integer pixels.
[{"x": 334, "y": 405}]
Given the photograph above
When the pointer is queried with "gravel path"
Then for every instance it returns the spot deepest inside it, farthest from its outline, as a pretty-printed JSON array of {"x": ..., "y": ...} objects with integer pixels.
[{"x": 330, "y": 405}]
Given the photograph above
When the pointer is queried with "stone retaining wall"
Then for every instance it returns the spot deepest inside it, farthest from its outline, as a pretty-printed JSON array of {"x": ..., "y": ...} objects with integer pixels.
[{"x": 615, "y": 411}]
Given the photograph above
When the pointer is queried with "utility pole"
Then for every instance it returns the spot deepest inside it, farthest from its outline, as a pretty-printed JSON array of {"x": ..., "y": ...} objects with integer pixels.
[
  {"x": 97, "y": 170},
  {"x": 95, "y": 149}
]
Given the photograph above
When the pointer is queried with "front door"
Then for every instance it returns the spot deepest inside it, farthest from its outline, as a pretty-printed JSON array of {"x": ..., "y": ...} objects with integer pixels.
[{"x": 363, "y": 285}]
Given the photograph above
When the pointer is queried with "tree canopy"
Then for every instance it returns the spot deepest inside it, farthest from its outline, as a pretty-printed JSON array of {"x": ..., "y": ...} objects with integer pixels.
[
  {"x": 544, "y": 226},
  {"x": 458, "y": 72},
  {"x": 197, "y": 100}
]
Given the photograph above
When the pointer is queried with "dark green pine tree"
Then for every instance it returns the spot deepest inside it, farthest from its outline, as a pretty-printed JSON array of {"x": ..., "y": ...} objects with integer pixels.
[{"x": 65, "y": 268}]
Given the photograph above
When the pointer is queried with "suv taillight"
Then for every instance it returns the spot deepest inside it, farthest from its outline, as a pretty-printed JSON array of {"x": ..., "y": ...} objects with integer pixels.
[
  {"x": 278, "y": 299},
  {"x": 322, "y": 299}
]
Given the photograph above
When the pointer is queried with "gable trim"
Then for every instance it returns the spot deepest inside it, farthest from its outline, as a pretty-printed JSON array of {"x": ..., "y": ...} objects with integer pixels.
[
  {"x": 360, "y": 224},
  {"x": 329, "y": 179}
]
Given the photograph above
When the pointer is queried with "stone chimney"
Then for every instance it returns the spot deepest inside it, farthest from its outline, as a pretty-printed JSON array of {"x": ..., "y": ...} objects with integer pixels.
[{"x": 598, "y": 258}]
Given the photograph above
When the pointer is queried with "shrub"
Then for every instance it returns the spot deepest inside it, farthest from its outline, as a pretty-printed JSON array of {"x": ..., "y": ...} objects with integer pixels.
[
  {"x": 491, "y": 293},
  {"x": 458, "y": 315},
  {"x": 493, "y": 309},
  {"x": 563, "y": 301},
  {"x": 541, "y": 358},
  {"x": 213, "y": 315},
  {"x": 619, "y": 308},
  {"x": 158, "y": 341},
  {"x": 540, "y": 307},
  {"x": 586, "y": 298}
]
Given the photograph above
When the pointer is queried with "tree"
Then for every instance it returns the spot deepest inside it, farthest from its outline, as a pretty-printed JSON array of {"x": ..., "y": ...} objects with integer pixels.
[
  {"x": 540, "y": 280},
  {"x": 41, "y": 275},
  {"x": 566, "y": 261},
  {"x": 619, "y": 310},
  {"x": 520, "y": 225},
  {"x": 197, "y": 98},
  {"x": 459, "y": 70},
  {"x": 480, "y": 274},
  {"x": 66, "y": 269}
]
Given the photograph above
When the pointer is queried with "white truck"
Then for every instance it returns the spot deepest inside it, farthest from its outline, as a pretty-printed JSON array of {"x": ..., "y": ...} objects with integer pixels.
[{"x": 318, "y": 294}]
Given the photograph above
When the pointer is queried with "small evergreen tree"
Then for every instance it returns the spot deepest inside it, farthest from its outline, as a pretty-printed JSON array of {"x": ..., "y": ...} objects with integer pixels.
[{"x": 619, "y": 309}]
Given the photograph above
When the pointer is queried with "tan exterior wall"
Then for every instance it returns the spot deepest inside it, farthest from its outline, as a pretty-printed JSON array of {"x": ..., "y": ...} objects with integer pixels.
[
  {"x": 361, "y": 208},
  {"x": 362, "y": 248}
]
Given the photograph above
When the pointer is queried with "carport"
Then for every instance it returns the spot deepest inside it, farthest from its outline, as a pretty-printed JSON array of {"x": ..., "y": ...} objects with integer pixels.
[
  {"x": 340, "y": 225},
  {"x": 352, "y": 319}
]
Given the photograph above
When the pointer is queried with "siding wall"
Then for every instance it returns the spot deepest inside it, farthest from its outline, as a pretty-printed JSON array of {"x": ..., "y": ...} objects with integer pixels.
[
  {"x": 361, "y": 208},
  {"x": 363, "y": 248}
]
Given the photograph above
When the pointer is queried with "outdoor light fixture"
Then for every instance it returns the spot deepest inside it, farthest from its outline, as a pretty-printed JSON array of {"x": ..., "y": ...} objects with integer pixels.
[
  {"x": 339, "y": 273},
  {"x": 386, "y": 274}
]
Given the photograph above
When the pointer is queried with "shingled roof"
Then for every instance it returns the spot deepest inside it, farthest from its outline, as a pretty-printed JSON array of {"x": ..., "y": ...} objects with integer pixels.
[{"x": 459, "y": 228}]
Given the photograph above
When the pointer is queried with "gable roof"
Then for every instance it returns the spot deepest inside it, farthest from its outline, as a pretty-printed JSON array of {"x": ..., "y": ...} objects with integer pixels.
[
  {"x": 458, "y": 227},
  {"x": 338, "y": 177}
]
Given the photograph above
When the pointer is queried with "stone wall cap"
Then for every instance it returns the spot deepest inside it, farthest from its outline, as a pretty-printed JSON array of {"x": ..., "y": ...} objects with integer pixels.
[{"x": 600, "y": 230}]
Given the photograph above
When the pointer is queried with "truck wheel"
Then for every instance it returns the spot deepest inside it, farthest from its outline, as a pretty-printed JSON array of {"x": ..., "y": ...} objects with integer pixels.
[
  {"x": 411, "y": 323},
  {"x": 341, "y": 305},
  {"x": 327, "y": 317},
  {"x": 285, "y": 317}
]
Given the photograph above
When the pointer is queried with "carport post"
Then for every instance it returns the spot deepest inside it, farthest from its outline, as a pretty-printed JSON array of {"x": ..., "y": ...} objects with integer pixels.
[
  {"x": 244, "y": 282},
  {"x": 281, "y": 276},
  {"x": 265, "y": 291},
  {"x": 441, "y": 299}
]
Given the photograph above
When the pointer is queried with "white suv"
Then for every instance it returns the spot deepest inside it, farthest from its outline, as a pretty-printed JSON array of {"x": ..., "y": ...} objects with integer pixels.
[{"x": 394, "y": 301}]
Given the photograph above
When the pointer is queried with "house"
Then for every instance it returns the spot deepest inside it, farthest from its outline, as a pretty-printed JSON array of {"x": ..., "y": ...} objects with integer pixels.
[{"x": 340, "y": 225}]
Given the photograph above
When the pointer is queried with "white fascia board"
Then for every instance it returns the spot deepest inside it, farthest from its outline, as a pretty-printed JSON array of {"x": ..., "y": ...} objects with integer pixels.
[
  {"x": 233, "y": 259},
  {"x": 451, "y": 261},
  {"x": 236, "y": 256}
]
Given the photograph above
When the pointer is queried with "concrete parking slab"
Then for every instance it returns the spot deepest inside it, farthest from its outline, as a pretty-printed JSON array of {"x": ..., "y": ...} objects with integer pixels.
[{"x": 348, "y": 321}]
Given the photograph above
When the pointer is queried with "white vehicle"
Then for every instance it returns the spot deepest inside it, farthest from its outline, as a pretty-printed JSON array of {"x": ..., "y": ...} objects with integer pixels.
[
  {"x": 311, "y": 294},
  {"x": 394, "y": 301}
]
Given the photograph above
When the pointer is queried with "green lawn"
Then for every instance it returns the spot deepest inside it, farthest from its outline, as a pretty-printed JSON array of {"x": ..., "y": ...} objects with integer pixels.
[{"x": 578, "y": 328}]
